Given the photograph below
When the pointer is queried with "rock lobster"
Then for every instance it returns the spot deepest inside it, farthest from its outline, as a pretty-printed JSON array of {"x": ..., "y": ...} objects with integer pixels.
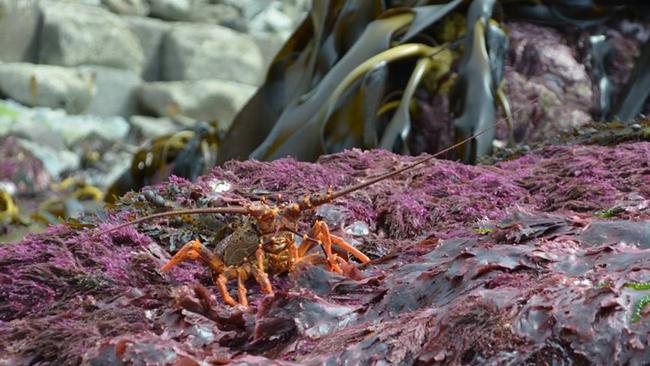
[{"x": 267, "y": 240}]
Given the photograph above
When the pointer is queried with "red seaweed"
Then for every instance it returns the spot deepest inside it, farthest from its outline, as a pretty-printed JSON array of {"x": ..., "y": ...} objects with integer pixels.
[{"x": 513, "y": 263}]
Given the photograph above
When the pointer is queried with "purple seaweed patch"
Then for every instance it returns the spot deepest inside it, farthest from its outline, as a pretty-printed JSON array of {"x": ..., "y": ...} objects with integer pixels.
[{"x": 529, "y": 261}]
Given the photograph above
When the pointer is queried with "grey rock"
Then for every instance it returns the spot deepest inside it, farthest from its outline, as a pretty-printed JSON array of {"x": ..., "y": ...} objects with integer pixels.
[
  {"x": 47, "y": 86},
  {"x": 51, "y": 134},
  {"x": 221, "y": 14},
  {"x": 205, "y": 100},
  {"x": 272, "y": 20},
  {"x": 68, "y": 129},
  {"x": 203, "y": 51},
  {"x": 150, "y": 127},
  {"x": 269, "y": 45},
  {"x": 150, "y": 33},
  {"x": 176, "y": 10},
  {"x": 127, "y": 7},
  {"x": 19, "y": 21},
  {"x": 75, "y": 34},
  {"x": 54, "y": 161},
  {"x": 115, "y": 94},
  {"x": 248, "y": 8}
]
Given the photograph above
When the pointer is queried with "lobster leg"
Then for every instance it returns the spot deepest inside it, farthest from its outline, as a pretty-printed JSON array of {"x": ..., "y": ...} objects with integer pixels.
[
  {"x": 194, "y": 250},
  {"x": 349, "y": 248},
  {"x": 305, "y": 246},
  {"x": 221, "y": 281},
  {"x": 321, "y": 232},
  {"x": 293, "y": 255},
  {"x": 241, "y": 289},
  {"x": 263, "y": 279}
]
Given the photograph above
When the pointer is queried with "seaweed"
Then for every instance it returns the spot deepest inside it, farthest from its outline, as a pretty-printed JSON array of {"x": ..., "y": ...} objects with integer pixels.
[
  {"x": 541, "y": 287},
  {"x": 639, "y": 306}
]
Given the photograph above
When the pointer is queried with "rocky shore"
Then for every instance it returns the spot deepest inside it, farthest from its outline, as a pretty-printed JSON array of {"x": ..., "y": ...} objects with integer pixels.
[{"x": 83, "y": 84}]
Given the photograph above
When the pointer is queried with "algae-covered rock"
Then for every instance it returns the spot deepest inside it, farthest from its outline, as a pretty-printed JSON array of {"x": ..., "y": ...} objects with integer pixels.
[{"x": 537, "y": 260}]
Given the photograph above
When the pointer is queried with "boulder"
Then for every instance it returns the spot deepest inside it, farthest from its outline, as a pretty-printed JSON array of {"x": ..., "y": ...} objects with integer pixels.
[
  {"x": 59, "y": 130},
  {"x": 272, "y": 20},
  {"x": 47, "y": 86},
  {"x": 222, "y": 14},
  {"x": 115, "y": 94},
  {"x": 18, "y": 30},
  {"x": 150, "y": 127},
  {"x": 248, "y": 8},
  {"x": 54, "y": 161},
  {"x": 127, "y": 7},
  {"x": 269, "y": 45},
  {"x": 76, "y": 34},
  {"x": 150, "y": 33},
  {"x": 175, "y": 10},
  {"x": 205, "y": 100},
  {"x": 222, "y": 54}
]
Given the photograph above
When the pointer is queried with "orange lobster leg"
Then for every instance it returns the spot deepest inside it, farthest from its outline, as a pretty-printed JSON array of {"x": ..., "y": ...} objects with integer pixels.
[
  {"x": 241, "y": 289},
  {"x": 321, "y": 232},
  {"x": 263, "y": 279},
  {"x": 194, "y": 250},
  {"x": 221, "y": 281},
  {"x": 350, "y": 249}
]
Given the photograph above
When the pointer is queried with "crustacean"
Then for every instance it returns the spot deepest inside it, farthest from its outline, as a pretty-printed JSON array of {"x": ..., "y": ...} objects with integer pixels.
[{"x": 266, "y": 241}]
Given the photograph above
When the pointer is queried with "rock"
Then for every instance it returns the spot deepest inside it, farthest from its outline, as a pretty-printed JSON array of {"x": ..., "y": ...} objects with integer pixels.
[
  {"x": 542, "y": 64},
  {"x": 55, "y": 161},
  {"x": 150, "y": 127},
  {"x": 171, "y": 9},
  {"x": 127, "y": 7},
  {"x": 57, "y": 129},
  {"x": 18, "y": 120},
  {"x": 272, "y": 20},
  {"x": 222, "y": 54},
  {"x": 269, "y": 45},
  {"x": 20, "y": 170},
  {"x": 248, "y": 8},
  {"x": 18, "y": 30},
  {"x": 221, "y": 14},
  {"x": 202, "y": 100},
  {"x": 150, "y": 33},
  {"x": 115, "y": 94},
  {"x": 75, "y": 34},
  {"x": 47, "y": 86}
]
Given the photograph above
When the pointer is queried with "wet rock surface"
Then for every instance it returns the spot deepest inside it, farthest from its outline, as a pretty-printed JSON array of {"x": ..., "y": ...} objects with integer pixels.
[{"x": 541, "y": 259}]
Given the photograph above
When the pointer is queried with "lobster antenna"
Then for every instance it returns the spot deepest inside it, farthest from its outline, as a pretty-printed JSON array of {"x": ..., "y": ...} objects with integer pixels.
[{"x": 235, "y": 210}]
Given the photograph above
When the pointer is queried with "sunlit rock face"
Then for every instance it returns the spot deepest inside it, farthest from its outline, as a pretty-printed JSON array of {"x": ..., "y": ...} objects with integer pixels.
[{"x": 539, "y": 259}]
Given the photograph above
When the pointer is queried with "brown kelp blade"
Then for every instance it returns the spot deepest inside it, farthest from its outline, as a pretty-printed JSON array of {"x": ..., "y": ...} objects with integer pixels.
[{"x": 313, "y": 49}]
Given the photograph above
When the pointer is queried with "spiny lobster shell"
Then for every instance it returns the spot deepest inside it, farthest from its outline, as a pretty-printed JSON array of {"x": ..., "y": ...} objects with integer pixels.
[{"x": 239, "y": 246}]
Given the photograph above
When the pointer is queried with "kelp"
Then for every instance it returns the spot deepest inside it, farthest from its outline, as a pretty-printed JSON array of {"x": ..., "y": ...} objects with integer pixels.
[
  {"x": 9, "y": 212},
  {"x": 363, "y": 73},
  {"x": 301, "y": 128},
  {"x": 479, "y": 76},
  {"x": 637, "y": 91},
  {"x": 366, "y": 96},
  {"x": 601, "y": 54},
  {"x": 186, "y": 153}
]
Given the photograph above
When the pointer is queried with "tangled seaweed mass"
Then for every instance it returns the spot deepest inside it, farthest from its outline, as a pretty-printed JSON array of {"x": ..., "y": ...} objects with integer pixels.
[{"x": 505, "y": 264}]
